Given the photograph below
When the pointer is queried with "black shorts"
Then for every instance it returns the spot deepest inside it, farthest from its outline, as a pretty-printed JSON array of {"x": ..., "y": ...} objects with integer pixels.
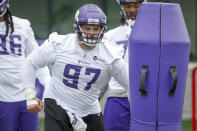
[{"x": 56, "y": 118}]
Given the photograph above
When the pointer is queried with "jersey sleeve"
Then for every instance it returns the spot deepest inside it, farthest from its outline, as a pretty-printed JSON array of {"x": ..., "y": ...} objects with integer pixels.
[
  {"x": 120, "y": 71},
  {"x": 43, "y": 73},
  {"x": 31, "y": 43},
  {"x": 39, "y": 58},
  {"x": 103, "y": 90}
]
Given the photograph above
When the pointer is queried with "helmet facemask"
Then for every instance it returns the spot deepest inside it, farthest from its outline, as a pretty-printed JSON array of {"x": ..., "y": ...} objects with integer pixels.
[{"x": 89, "y": 39}]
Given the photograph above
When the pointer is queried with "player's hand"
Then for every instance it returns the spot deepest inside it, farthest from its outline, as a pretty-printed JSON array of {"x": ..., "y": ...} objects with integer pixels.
[{"x": 36, "y": 105}]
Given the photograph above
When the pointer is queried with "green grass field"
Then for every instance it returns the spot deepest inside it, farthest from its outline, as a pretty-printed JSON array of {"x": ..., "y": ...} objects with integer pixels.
[
  {"x": 41, "y": 124},
  {"x": 187, "y": 125}
]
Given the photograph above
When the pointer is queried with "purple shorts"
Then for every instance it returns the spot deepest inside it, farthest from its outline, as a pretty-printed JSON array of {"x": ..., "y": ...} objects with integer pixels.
[
  {"x": 40, "y": 89},
  {"x": 117, "y": 114},
  {"x": 15, "y": 117}
]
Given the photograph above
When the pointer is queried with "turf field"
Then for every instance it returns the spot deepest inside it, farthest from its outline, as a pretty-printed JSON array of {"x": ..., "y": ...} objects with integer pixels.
[{"x": 187, "y": 125}]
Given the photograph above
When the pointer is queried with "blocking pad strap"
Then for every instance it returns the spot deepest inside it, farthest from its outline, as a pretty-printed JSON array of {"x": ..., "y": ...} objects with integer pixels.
[
  {"x": 143, "y": 80},
  {"x": 174, "y": 75}
]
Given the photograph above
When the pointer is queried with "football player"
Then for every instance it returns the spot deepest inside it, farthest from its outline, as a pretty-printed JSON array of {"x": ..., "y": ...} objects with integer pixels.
[
  {"x": 81, "y": 64},
  {"x": 118, "y": 119},
  {"x": 16, "y": 42}
]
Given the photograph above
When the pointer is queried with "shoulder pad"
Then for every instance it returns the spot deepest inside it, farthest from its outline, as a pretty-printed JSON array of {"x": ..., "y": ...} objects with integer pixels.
[
  {"x": 20, "y": 21},
  {"x": 57, "y": 40},
  {"x": 114, "y": 51},
  {"x": 112, "y": 32}
]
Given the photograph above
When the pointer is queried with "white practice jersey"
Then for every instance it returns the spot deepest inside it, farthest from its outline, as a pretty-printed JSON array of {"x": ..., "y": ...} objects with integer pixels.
[
  {"x": 119, "y": 36},
  {"x": 77, "y": 74},
  {"x": 13, "y": 50}
]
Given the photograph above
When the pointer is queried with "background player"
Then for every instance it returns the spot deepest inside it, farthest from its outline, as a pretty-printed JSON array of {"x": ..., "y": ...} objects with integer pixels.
[
  {"x": 16, "y": 42},
  {"x": 118, "y": 119}
]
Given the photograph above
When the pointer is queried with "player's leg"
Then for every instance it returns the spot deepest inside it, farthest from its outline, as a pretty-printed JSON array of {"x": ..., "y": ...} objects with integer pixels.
[
  {"x": 56, "y": 118},
  {"x": 51, "y": 124},
  {"x": 27, "y": 121},
  {"x": 95, "y": 122},
  {"x": 117, "y": 114},
  {"x": 40, "y": 89},
  {"x": 8, "y": 116}
]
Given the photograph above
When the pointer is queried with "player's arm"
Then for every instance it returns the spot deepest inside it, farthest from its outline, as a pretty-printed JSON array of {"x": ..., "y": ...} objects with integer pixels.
[
  {"x": 43, "y": 73},
  {"x": 39, "y": 58},
  {"x": 103, "y": 91},
  {"x": 120, "y": 72}
]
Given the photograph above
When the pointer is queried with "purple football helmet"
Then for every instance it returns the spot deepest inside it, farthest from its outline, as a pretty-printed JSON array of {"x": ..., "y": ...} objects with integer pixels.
[
  {"x": 4, "y": 4},
  {"x": 92, "y": 15}
]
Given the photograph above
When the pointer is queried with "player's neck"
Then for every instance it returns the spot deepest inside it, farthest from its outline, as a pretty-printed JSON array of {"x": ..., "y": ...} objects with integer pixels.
[
  {"x": 83, "y": 46},
  {"x": 1, "y": 18}
]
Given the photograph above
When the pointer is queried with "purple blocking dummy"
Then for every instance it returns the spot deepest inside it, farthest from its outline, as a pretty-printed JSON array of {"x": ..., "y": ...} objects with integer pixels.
[{"x": 158, "y": 59}]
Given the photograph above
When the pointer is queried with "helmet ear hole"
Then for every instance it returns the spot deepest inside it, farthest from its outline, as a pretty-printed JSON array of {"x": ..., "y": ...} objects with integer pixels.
[{"x": 89, "y": 14}]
